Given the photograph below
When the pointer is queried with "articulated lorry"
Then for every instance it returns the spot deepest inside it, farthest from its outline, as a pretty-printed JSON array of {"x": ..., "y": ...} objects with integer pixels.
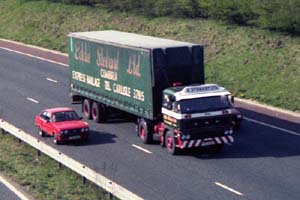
[{"x": 158, "y": 80}]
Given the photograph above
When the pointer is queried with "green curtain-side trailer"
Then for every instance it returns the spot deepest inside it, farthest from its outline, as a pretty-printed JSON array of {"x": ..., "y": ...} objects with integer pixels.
[{"x": 129, "y": 71}]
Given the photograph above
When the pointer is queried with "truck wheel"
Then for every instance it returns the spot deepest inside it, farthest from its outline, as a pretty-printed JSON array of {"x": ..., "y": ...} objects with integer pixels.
[
  {"x": 144, "y": 132},
  {"x": 41, "y": 132},
  {"x": 86, "y": 109},
  {"x": 98, "y": 112},
  {"x": 170, "y": 143}
]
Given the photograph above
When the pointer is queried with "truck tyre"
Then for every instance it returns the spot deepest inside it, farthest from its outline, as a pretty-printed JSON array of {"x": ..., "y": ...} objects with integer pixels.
[
  {"x": 144, "y": 131},
  {"x": 170, "y": 143},
  {"x": 41, "y": 132},
  {"x": 98, "y": 112},
  {"x": 86, "y": 109}
]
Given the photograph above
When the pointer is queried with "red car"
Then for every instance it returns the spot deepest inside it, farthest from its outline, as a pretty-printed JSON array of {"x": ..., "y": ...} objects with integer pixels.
[{"x": 63, "y": 124}]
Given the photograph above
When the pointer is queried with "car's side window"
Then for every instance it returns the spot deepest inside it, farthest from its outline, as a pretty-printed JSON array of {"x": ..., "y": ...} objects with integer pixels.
[{"x": 46, "y": 116}]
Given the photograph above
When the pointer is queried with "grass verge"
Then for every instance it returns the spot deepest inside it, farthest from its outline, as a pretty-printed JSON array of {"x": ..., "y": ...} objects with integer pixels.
[
  {"x": 252, "y": 63},
  {"x": 40, "y": 175}
]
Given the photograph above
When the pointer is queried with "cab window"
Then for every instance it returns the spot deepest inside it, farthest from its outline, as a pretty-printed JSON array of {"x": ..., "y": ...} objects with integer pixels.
[
  {"x": 170, "y": 103},
  {"x": 166, "y": 101}
]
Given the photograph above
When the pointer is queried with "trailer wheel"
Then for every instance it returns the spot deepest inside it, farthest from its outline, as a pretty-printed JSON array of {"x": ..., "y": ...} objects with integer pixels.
[
  {"x": 98, "y": 112},
  {"x": 170, "y": 143},
  {"x": 86, "y": 109},
  {"x": 144, "y": 131}
]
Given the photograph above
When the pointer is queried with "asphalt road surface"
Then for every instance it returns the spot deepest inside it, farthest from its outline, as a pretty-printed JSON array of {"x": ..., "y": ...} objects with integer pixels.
[
  {"x": 263, "y": 163},
  {"x": 7, "y": 194}
]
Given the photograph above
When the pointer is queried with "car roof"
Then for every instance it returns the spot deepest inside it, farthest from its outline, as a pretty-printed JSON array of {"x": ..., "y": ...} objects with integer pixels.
[{"x": 58, "y": 109}]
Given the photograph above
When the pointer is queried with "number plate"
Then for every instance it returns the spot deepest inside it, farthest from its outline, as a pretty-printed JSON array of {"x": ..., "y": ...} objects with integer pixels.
[
  {"x": 207, "y": 143},
  {"x": 74, "y": 137}
]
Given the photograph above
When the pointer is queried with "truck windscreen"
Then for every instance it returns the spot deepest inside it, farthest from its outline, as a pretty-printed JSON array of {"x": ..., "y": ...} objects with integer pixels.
[{"x": 203, "y": 104}]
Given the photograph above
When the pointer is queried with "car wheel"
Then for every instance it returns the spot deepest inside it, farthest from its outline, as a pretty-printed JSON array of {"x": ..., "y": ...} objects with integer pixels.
[
  {"x": 55, "y": 140},
  {"x": 41, "y": 132}
]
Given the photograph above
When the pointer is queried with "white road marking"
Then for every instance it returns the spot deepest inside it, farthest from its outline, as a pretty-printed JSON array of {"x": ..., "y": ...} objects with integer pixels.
[
  {"x": 51, "y": 80},
  {"x": 272, "y": 126},
  {"x": 141, "y": 148},
  {"x": 33, "y": 100},
  {"x": 34, "y": 47},
  {"x": 26, "y": 54},
  {"x": 228, "y": 188},
  {"x": 13, "y": 188}
]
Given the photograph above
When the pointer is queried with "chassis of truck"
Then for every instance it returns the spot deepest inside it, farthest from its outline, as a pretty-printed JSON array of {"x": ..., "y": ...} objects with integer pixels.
[{"x": 158, "y": 80}]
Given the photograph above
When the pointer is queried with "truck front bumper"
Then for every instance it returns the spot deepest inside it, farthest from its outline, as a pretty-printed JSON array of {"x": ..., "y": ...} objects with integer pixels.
[
  {"x": 194, "y": 139},
  {"x": 228, "y": 139}
]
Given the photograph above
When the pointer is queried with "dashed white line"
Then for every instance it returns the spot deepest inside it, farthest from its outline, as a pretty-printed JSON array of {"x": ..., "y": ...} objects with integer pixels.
[
  {"x": 141, "y": 148},
  {"x": 33, "y": 100},
  {"x": 26, "y": 54},
  {"x": 272, "y": 126},
  {"x": 51, "y": 80},
  {"x": 228, "y": 188}
]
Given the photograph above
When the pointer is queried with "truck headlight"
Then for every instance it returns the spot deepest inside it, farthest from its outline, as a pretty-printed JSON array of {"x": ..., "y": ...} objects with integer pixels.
[{"x": 239, "y": 116}]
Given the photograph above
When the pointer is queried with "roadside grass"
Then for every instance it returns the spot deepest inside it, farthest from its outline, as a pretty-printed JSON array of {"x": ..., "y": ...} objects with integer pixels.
[
  {"x": 252, "y": 63},
  {"x": 40, "y": 175}
]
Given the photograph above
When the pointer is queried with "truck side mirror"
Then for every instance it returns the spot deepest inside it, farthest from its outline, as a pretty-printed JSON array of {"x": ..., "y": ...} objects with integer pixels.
[{"x": 232, "y": 99}]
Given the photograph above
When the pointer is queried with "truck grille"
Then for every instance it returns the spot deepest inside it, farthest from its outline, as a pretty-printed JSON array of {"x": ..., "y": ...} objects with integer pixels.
[{"x": 207, "y": 122}]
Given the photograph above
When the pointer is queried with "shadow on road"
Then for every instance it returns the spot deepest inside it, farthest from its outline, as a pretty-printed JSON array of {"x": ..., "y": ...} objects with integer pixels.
[{"x": 97, "y": 138}]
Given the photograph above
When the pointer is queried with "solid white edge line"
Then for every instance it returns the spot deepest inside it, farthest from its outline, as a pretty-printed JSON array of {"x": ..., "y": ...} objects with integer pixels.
[
  {"x": 229, "y": 189},
  {"x": 13, "y": 188},
  {"x": 141, "y": 148},
  {"x": 51, "y": 80},
  {"x": 26, "y": 54},
  {"x": 33, "y": 100},
  {"x": 272, "y": 126},
  {"x": 272, "y": 108},
  {"x": 34, "y": 47}
]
